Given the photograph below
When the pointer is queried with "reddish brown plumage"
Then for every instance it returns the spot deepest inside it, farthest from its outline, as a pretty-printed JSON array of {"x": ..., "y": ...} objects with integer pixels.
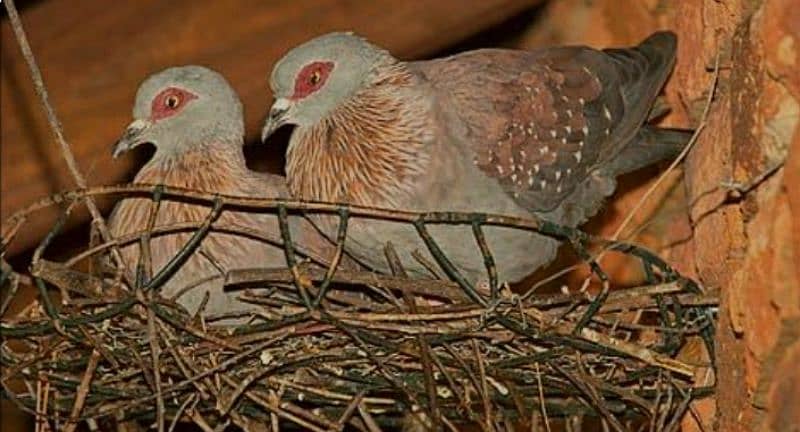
[
  {"x": 217, "y": 168},
  {"x": 548, "y": 118},
  {"x": 368, "y": 151}
]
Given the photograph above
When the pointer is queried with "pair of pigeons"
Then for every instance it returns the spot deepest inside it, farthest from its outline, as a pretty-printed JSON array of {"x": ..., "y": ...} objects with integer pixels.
[{"x": 510, "y": 132}]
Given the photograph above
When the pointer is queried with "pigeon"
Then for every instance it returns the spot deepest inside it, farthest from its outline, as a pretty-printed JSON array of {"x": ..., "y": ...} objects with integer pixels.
[
  {"x": 195, "y": 121},
  {"x": 541, "y": 133}
]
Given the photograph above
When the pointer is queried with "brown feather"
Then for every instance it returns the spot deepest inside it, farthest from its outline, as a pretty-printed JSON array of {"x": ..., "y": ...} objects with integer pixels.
[
  {"x": 537, "y": 120},
  {"x": 369, "y": 151},
  {"x": 216, "y": 168}
]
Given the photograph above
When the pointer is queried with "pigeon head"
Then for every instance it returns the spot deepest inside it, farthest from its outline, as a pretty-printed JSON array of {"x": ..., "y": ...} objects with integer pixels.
[
  {"x": 316, "y": 77},
  {"x": 181, "y": 108}
]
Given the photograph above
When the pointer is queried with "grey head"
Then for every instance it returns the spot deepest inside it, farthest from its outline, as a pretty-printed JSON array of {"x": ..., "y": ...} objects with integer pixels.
[
  {"x": 181, "y": 108},
  {"x": 319, "y": 75}
]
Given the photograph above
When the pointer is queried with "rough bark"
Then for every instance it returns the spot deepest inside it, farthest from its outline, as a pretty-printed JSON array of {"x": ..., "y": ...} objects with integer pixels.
[{"x": 746, "y": 243}]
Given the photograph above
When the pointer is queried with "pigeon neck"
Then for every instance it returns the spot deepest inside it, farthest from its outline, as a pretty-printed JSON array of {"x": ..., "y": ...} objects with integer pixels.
[
  {"x": 212, "y": 167},
  {"x": 369, "y": 150}
]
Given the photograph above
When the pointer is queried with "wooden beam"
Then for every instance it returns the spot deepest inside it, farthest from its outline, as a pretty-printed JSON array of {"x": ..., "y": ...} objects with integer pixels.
[{"x": 94, "y": 53}]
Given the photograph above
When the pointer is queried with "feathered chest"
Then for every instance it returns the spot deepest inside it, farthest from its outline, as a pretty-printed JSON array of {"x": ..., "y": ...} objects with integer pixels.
[
  {"x": 218, "y": 171},
  {"x": 222, "y": 173},
  {"x": 372, "y": 150}
]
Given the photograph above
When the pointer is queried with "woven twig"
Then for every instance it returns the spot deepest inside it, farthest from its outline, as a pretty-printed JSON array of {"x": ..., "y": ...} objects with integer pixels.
[{"x": 325, "y": 341}]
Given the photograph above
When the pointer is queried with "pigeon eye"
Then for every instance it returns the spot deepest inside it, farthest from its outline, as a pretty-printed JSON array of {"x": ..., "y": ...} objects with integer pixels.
[
  {"x": 172, "y": 101},
  {"x": 311, "y": 78},
  {"x": 315, "y": 77}
]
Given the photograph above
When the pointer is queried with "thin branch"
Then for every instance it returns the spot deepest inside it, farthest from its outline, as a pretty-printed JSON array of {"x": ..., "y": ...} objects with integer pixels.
[
  {"x": 82, "y": 392},
  {"x": 542, "y": 406},
  {"x": 55, "y": 124}
]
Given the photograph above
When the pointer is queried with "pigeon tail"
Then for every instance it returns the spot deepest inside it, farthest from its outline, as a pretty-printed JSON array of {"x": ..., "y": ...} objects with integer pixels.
[
  {"x": 650, "y": 145},
  {"x": 644, "y": 69}
]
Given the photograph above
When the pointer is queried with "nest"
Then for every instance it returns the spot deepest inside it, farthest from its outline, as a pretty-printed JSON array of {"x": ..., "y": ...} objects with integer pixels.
[{"x": 339, "y": 349}]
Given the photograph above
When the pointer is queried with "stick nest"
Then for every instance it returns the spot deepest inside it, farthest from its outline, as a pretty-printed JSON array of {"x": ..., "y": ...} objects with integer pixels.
[{"x": 333, "y": 348}]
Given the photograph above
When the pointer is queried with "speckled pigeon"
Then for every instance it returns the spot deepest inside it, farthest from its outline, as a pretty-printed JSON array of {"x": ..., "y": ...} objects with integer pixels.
[
  {"x": 542, "y": 132},
  {"x": 194, "y": 118}
]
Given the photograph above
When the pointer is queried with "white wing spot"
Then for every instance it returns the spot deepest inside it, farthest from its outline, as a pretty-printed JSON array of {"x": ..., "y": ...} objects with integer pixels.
[
  {"x": 569, "y": 171},
  {"x": 523, "y": 154},
  {"x": 530, "y": 181},
  {"x": 500, "y": 169},
  {"x": 536, "y": 168},
  {"x": 564, "y": 140},
  {"x": 580, "y": 144},
  {"x": 578, "y": 156},
  {"x": 529, "y": 131},
  {"x": 606, "y": 131},
  {"x": 528, "y": 89},
  {"x": 553, "y": 133},
  {"x": 543, "y": 184},
  {"x": 585, "y": 130},
  {"x": 513, "y": 177},
  {"x": 606, "y": 112},
  {"x": 581, "y": 100},
  {"x": 544, "y": 149},
  {"x": 558, "y": 189},
  {"x": 568, "y": 129},
  {"x": 558, "y": 175},
  {"x": 569, "y": 113}
]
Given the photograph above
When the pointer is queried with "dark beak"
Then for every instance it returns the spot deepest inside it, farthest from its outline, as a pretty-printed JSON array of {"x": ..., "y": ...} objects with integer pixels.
[
  {"x": 276, "y": 119},
  {"x": 131, "y": 138}
]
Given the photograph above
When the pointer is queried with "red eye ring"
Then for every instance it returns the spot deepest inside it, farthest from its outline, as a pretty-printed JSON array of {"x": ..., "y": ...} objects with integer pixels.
[
  {"x": 170, "y": 102},
  {"x": 311, "y": 78}
]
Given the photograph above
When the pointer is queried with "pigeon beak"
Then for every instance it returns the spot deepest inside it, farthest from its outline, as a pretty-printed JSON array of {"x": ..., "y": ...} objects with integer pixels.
[
  {"x": 131, "y": 138},
  {"x": 277, "y": 117}
]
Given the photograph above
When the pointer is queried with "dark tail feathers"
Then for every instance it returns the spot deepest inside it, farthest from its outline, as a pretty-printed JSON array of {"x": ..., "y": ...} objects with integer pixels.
[
  {"x": 650, "y": 145},
  {"x": 642, "y": 70}
]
